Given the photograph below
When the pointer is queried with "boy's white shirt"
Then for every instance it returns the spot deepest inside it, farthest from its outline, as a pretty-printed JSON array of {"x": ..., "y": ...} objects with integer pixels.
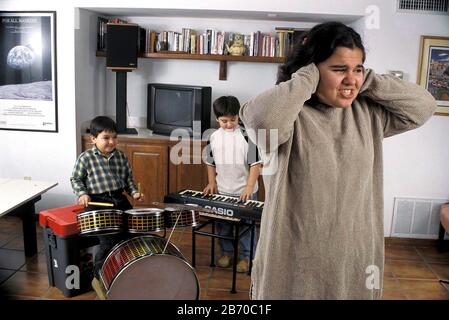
[{"x": 230, "y": 151}]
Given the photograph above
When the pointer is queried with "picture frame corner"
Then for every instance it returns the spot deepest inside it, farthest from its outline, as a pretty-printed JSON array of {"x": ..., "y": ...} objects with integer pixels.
[{"x": 432, "y": 73}]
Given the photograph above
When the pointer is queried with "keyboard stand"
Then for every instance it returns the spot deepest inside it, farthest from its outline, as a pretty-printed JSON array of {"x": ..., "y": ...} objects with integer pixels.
[{"x": 236, "y": 224}]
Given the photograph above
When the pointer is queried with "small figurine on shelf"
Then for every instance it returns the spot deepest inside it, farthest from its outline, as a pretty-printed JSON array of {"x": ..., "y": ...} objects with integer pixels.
[{"x": 238, "y": 47}]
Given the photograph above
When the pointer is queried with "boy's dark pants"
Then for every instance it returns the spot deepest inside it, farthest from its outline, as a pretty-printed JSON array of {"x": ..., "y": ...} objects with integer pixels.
[{"x": 108, "y": 241}]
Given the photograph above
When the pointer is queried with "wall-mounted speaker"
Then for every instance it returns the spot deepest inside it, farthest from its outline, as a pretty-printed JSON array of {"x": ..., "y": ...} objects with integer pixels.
[{"x": 121, "y": 46}]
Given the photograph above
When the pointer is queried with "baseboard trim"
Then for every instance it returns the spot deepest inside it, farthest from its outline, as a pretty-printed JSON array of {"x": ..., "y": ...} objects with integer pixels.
[{"x": 411, "y": 242}]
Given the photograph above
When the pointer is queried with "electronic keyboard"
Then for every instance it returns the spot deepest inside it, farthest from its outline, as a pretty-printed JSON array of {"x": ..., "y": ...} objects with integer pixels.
[{"x": 226, "y": 206}]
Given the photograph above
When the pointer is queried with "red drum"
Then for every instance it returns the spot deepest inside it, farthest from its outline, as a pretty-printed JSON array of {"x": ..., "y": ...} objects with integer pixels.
[
  {"x": 148, "y": 268},
  {"x": 100, "y": 222},
  {"x": 145, "y": 220}
]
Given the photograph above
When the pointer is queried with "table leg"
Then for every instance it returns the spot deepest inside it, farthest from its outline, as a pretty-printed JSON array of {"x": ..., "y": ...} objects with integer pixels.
[
  {"x": 212, "y": 246},
  {"x": 251, "y": 251},
  {"x": 29, "y": 227},
  {"x": 193, "y": 247},
  {"x": 236, "y": 256}
]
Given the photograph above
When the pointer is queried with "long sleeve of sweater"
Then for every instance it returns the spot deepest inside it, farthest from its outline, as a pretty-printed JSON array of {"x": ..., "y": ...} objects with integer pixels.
[
  {"x": 403, "y": 105},
  {"x": 278, "y": 107}
]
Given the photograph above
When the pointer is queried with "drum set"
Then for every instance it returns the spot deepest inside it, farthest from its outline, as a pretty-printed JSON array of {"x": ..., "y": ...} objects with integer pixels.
[{"x": 146, "y": 266}]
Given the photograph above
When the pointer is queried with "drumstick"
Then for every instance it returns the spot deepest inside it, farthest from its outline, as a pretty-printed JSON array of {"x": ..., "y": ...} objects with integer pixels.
[
  {"x": 100, "y": 204},
  {"x": 138, "y": 188}
]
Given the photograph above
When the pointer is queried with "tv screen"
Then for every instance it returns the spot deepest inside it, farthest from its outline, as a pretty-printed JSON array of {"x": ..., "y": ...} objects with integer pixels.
[
  {"x": 169, "y": 100},
  {"x": 173, "y": 106}
]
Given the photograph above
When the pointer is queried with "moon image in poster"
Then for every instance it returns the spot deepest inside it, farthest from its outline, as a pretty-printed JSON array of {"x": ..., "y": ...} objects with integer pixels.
[{"x": 20, "y": 57}]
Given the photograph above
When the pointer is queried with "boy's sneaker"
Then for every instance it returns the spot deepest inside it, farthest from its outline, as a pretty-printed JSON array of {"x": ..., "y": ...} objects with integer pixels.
[
  {"x": 99, "y": 289},
  {"x": 225, "y": 261},
  {"x": 243, "y": 265}
]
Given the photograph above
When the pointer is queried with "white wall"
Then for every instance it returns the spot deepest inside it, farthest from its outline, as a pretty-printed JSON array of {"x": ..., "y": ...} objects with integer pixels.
[
  {"x": 415, "y": 162},
  {"x": 39, "y": 155},
  {"x": 90, "y": 72}
]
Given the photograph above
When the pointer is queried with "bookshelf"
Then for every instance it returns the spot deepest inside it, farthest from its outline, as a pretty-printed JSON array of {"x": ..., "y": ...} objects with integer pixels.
[
  {"x": 223, "y": 59},
  {"x": 314, "y": 14}
]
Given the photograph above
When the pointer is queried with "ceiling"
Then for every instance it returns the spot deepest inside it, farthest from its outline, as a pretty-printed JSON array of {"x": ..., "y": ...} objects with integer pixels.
[{"x": 225, "y": 14}]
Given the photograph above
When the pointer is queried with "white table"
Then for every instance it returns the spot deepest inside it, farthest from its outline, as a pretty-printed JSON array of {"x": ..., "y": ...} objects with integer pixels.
[{"x": 19, "y": 196}]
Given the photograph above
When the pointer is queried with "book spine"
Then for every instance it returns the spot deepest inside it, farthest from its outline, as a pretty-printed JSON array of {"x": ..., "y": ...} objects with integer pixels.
[{"x": 193, "y": 44}]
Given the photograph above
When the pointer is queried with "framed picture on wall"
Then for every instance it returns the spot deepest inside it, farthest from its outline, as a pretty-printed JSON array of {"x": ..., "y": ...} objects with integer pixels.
[
  {"x": 433, "y": 70},
  {"x": 28, "y": 86}
]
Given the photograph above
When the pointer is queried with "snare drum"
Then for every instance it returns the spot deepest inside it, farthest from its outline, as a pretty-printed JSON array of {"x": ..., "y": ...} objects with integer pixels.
[
  {"x": 100, "y": 222},
  {"x": 140, "y": 269},
  {"x": 145, "y": 220},
  {"x": 175, "y": 218}
]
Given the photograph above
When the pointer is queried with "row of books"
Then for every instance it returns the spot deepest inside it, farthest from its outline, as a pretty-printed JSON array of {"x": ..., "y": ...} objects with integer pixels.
[
  {"x": 272, "y": 45},
  {"x": 188, "y": 41},
  {"x": 216, "y": 42},
  {"x": 210, "y": 41}
]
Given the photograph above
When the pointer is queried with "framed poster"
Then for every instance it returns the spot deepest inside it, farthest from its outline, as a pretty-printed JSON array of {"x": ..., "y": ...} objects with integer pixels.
[
  {"x": 28, "y": 86},
  {"x": 433, "y": 70}
]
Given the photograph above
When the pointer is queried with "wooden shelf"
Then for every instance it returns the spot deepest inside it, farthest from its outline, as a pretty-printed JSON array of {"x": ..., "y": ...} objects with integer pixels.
[{"x": 223, "y": 59}]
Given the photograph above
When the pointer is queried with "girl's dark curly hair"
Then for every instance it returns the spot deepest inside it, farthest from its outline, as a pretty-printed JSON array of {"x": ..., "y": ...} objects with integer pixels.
[{"x": 318, "y": 44}]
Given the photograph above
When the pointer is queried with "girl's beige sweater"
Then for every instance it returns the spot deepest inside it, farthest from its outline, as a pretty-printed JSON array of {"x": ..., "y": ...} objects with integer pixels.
[{"x": 322, "y": 232}]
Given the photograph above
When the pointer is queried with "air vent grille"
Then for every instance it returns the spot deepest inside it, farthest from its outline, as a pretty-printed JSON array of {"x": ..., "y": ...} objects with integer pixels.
[
  {"x": 416, "y": 218},
  {"x": 424, "y": 6}
]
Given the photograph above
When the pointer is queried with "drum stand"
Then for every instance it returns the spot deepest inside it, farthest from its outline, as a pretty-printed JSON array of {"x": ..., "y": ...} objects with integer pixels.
[{"x": 236, "y": 224}]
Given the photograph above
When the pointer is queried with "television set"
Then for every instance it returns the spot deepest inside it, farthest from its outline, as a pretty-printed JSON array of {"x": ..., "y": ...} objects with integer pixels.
[{"x": 176, "y": 106}]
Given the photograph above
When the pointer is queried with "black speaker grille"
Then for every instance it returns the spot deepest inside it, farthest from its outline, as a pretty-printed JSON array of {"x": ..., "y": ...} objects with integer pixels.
[{"x": 121, "y": 51}]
